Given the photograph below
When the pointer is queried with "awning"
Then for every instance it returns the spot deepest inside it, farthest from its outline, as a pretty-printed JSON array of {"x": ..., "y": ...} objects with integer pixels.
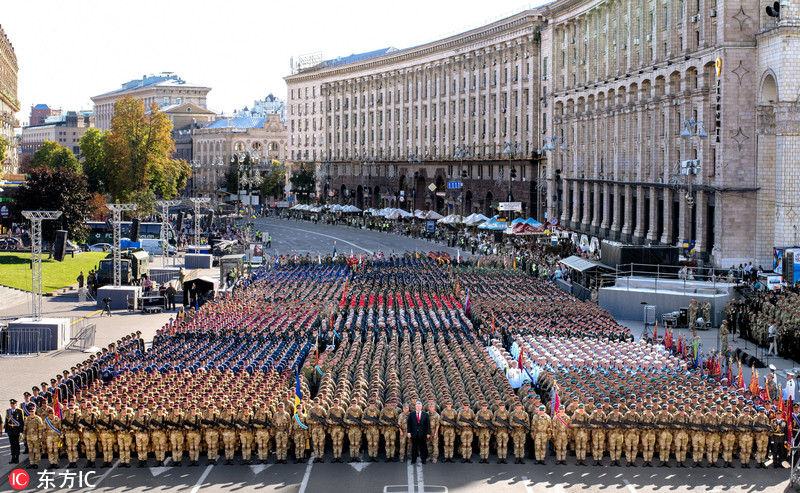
[{"x": 583, "y": 265}]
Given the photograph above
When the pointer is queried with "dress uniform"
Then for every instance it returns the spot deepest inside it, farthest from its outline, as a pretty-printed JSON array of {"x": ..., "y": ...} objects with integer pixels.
[
  {"x": 632, "y": 432},
  {"x": 335, "y": 420},
  {"x": 448, "y": 431},
  {"x": 14, "y": 424},
  {"x": 34, "y": 430},
  {"x": 483, "y": 417},
  {"x": 388, "y": 419},
  {"x": 261, "y": 421},
  {"x": 193, "y": 426},
  {"x": 159, "y": 437},
  {"x": 560, "y": 431},
  {"x": 354, "y": 425},
  {"x": 281, "y": 423},
  {"x": 53, "y": 437},
  {"x": 300, "y": 433},
  {"x": 466, "y": 419},
  {"x": 616, "y": 437},
  {"x": 433, "y": 441},
  {"x": 541, "y": 427}
]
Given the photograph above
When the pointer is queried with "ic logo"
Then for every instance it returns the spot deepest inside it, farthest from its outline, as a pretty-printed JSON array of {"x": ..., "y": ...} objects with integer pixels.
[{"x": 18, "y": 479}]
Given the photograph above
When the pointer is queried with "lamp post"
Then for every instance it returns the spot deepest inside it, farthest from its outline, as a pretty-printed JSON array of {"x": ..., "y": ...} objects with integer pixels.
[
  {"x": 369, "y": 163},
  {"x": 461, "y": 153},
  {"x": 691, "y": 167},
  {"x": 555, "y": 176},
  {"x": 511, "y": 150},
  {"x": 195, "y": 163}
]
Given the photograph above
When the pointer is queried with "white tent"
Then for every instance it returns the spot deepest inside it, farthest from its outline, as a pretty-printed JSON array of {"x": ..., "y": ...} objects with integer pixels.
[
  {"x": 451, "y": 219},
  {"x": 350, "y": 208},
  {"x": 433, "y": 215},
  {"x": 475, "y": 219}
]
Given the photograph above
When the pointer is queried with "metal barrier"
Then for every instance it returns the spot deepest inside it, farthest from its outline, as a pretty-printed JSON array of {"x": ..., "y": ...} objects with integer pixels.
[
  {"x": 83, "y": 338},
  {"x": 161, "y": 277},
  {"x": 27, "y": 340},
  {"x": 668, "y": 273}
]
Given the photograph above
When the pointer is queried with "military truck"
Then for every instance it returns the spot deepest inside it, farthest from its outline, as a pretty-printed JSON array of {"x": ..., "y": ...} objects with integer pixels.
[{"x": 134, "y": 265}]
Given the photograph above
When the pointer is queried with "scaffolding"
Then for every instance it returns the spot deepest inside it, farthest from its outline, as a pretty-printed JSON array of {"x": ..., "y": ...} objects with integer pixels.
[
  {"x": 198, "y": 202},
  {"x": 165, "y": 205},
  {"x": 116, "y": 210},
  {"x": 36, "y": 218}
]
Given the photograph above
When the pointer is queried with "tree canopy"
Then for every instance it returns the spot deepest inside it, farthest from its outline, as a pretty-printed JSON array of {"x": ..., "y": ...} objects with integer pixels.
[
  {"x": 138, "y": 151},
  {"x": 54, "y": 155},
  {"x": 94, "y": 166},
  {"x": 303, "y": 181},
  {"x": 274, "y": 181}
]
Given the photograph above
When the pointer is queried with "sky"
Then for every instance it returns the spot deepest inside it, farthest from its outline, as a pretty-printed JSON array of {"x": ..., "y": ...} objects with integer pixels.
[{"x": 71, "y": 50}]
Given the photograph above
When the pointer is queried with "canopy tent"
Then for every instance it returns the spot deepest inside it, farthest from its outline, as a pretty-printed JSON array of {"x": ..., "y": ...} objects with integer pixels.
[
  {"x": 433, "y": 215},
  {"x": 398, "y": 214},
  {"x": 583, "y": 265},
  {"x": 350, "y": 208},
  {"x": 522, "y": 228},
  {"x": 451, "y": 219},
  {"x": 475, "y": 219},
  {"x": 494, "y": 224}
]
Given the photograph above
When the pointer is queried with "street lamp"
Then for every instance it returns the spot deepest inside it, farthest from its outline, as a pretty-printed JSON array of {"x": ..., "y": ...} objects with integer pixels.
[
  {"x": 550, "y": 145},
  {"x": 511, "y": 150},
  {"x": 195, "y": 163},
  {"x": 691, "y": 167},
  {"x": 368, "y": 163}
]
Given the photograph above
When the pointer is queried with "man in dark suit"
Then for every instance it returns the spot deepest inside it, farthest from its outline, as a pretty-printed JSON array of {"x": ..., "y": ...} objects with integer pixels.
[{"x": 419, "y": 430}]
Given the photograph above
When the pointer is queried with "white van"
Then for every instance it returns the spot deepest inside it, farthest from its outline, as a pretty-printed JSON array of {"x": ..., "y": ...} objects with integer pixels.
[{"x": 155, "y": 247}]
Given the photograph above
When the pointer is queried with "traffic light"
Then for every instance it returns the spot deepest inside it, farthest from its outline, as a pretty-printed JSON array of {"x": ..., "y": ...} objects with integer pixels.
[
  {"x": 513, "y": 173},
  {"x": 774, "y": 10}
]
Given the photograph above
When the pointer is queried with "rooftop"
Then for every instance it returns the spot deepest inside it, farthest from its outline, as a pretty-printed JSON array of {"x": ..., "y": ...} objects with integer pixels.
[
  {"x": 240, "y": 122},
  {"x": 354, "y": 58},
  {"x": 164, "y": 79}
]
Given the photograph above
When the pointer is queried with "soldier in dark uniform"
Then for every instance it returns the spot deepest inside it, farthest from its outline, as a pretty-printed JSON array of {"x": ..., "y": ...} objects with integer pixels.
[{"x": 14, "y": 422}]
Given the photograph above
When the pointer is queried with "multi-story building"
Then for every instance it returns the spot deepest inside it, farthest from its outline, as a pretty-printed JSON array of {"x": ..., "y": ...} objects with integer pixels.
[
  {"x": 9, "y": 104},
  {"x": 40, "y": 112},
  {"x": 645, "y": 122},
  {"x": 214, "y": 146},
  {"x": 165, "y": 89},
  {"x": 393, "y": 126},
  {"x": 263, "y": 107},
  {"x": 67, "y": 129}
]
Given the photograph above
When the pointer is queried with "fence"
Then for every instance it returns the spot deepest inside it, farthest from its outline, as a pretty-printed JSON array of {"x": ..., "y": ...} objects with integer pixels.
[
  {"x": 26, "y": 340},
  {"x": 672, "y": 276}
]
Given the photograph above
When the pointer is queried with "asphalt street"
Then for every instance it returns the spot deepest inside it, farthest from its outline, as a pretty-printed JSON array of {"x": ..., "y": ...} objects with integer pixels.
[{"x": 302, "y": 237}]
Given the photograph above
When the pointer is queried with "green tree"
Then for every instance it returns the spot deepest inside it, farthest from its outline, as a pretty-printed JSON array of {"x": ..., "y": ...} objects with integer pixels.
[
  {"x": 56, "y": 189},
  {"x": 54, "y": 155},
  {"x": 3, "y": 147},
  {"x": 146, "y": 201},
  {"x": 303, "y": 181},
  {"x": 93, "y": 154},
  {"x": 274, "y": 181},
  {"x": 138, "y": 150}
]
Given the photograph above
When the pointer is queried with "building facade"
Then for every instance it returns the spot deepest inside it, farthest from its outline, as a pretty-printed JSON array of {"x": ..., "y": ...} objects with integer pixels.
[
  {"x": 214, "y": 146},
  {"x": 40, "y": 113},
  {"x": 646, "y": 122},
  {"x": 263, "y": 107},
  {"x": 164, "y": 89},
  {"x": 397, "y": 126},
  {"x": 66, "y": 129},
  {"x": 9, "y": 104}
]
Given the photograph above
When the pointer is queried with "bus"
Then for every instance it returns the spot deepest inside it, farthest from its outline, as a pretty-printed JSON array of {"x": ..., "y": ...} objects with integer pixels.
[{"x": 101, "y": 232}]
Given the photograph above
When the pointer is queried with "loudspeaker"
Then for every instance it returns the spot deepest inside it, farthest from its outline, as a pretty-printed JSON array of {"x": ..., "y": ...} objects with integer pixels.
[
  {"x": 134, "y": 232},
  {"x": 60, "y": 245},
  {"x": 179, "y": 223},
  {"x": 210, "y": 220}
]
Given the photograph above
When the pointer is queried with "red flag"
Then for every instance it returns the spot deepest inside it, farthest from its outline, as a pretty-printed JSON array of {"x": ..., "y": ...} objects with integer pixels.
[
  {"x": 57, "y": 403},
  {"x": 655, "y": 331},
  {"x": 556, "y": 401},
  {"x": 789, "y": 422},
  {"x": 730, "y": 372},
  {"x": 740, "y": 378},
  {"x": 519, "y": 363},
  {"x": 754, "y": 381}
]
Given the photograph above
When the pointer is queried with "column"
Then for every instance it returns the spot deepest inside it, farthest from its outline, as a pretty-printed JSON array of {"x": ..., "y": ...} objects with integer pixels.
[
  {"x": 576, "y": 202},
  {"x": 585, "y": 220},
  {"x": 615, "y": 225},
  {"x": 596, "y": 212},
  {"x": 627, "y": 227},
  {"x": 652, "y": 233},
  {"x": 565, "y": 205},
  {"x": 666, "y": 236},
  {"x": 684, "y": 220},
  {"x": 606, "y": 212},
  {"x": 639, "y": 232},
  {"x": 701, "y": 238}
]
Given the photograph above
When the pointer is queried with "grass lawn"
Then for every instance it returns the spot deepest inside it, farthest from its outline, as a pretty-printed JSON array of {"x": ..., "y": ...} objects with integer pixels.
[{"x": 15, "y": 270}]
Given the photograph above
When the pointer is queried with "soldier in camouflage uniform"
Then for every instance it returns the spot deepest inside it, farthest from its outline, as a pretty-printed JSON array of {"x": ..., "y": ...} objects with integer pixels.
[
  {"x": 580, "y": 422},
  {"x": 664, "y": 425},
  {"x": 193, "y": 424},
  {"x": 541, "y": 429},
  {"x": 483, "y": 420},
  {"x": 34, "y": 430},
  {"x": 388, "y": 419},
  {"x": 300, "y": 433},
  {"x": 501, "y": 421},
  {"x": 648, "y": 421},
  {"x": 466, "y": 419},
  {"x": 402, "y": 421},
  {"x": 316, "y": 424},
  {"x": 745, "y": 426},
  {"x": 761, "y": 422},
  {"x": 681, "y": 436},
  {"x": 211, "y": 432},
  {"x": 335, "y": 419},
  {"x": 631, "y": 431},
  {"x": 597, "y": 422},
  {"x": 141, "y": 427},
  {"x": 520, "y": 422},
  {"x": 159, "y": 436},
  {"x": 371, "y": 418},
  {"x": 433, "y": 440},
  {"x": 728, "y": 440},
  {"x": 711, "y": 423},
  {"x": 616, "y": 438},
  {"x": 227, "y": 423},
  {"x": 281, "y": 422},
  {"x": 354, "y": 427}
]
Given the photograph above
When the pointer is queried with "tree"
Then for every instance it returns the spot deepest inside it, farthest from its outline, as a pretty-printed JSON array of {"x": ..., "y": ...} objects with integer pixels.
[
  {"x": 303, "y": 180},
  {"x": 56, "y": 189},
  {"x": 3, "y": 147},
  {"x": 146, "y": 201},
  {"x": 94, "y": 160},
  {"x": 274, "y": 181},
  {"x": 138, "y": 150},
  {"x": 54, "y": 155}
]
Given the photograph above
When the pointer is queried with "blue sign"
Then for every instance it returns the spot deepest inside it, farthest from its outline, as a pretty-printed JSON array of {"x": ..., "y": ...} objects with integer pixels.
[
  {"x": 553, "y": 221},
  {"x": 453, "y": 185},
  {"x": 430, "y": 226}
]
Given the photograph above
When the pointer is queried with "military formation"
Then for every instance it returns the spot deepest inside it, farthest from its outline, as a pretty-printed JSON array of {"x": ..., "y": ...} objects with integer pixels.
[
  {"x": 751, "y": 319},
  {"x": 325, "y": 361}
]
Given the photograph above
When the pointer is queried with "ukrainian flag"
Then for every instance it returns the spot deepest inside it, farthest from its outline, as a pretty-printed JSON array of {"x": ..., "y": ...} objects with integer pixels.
[{"x": 298, "y": 392}]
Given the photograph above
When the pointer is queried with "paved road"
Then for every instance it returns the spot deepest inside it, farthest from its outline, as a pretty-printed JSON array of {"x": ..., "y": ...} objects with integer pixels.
[{"x": 288, "y": 236}]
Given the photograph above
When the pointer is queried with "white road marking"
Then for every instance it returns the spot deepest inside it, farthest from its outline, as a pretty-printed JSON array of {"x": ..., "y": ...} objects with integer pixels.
[
  {"x": 203, "y": 477},
  {"x": 257, "y": 468},
  {"x": 307, "y": 475},
  {"x": 528, "y": 489},
  {"x": 322, "y": 234},
  {"x": 420, "y": 479},
  {"x": 410, "y": 477},
  {"x": 156, "y": 471},
  {"x": 629, "y": 485},
  {"x": 104, "y": 476},
  {"x": 359, "y": 466}
]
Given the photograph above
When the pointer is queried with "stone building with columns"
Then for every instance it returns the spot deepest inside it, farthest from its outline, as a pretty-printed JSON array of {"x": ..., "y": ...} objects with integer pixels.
[
  {"x": 646, "y": 122},
  {"x": 9, "y": 104}
]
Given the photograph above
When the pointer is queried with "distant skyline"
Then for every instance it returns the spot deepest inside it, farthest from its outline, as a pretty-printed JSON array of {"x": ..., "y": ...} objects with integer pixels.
[{"x": 71, "y": 50}]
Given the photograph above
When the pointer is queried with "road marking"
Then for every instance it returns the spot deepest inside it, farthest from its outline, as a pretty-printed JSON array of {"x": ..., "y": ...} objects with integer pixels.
[
  {"x": 104, "y": 476},
  {"x": 203, "y": 477},
  {"x": 87, "y": 316},
  {"x": 410, "y": 477},
  {"x": 528, "y": 489},
  {"x": 326, "y": 236},
  {"x": 420, "y": 479},
  {"x": 629, "y": 485},
  {"x": 359, "y": 466},
  {"x": 304, "y": 483},
  {"x": 257, "y": 468},
  {"x": 155, "y": 471}
]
